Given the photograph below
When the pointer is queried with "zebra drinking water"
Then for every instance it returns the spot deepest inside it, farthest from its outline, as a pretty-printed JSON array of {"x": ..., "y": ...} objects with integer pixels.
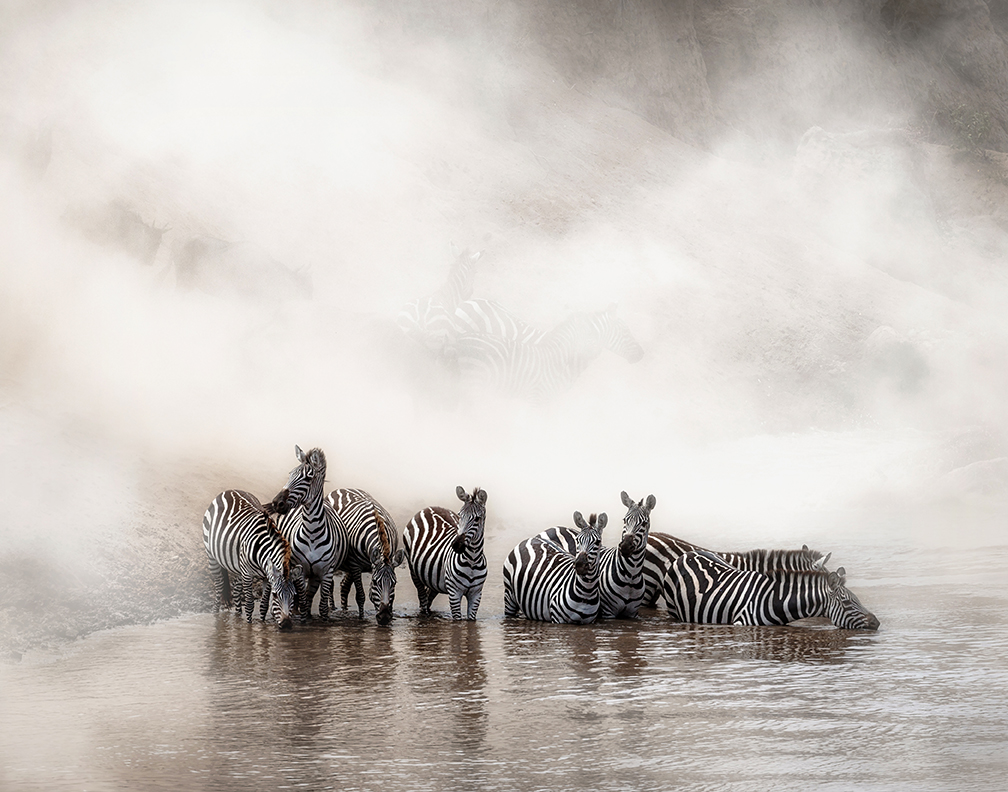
[
  {"x": 317, "y": 537},
  {"x": 621, "y": 568},
  {"x": 445, "y": 553},
  {"x": 703, "y": 589},
  {"x": 430, "y": 320},
  {"x": 241, "y": 539},
  {"x": 372, "y": 543},
  {"x": 663, "y": 549},
  {"x": 547, "y": 583}
]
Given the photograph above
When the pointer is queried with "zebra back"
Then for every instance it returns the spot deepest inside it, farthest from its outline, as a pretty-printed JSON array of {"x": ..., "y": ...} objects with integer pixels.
[
  {"x": 702, "y": 589},
  {"x": 547, "y": 583},
  {"x": 485, "y": 317}
]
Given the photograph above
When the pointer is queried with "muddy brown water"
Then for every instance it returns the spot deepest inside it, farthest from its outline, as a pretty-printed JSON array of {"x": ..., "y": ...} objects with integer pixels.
[{"x": 210, "y": 702}]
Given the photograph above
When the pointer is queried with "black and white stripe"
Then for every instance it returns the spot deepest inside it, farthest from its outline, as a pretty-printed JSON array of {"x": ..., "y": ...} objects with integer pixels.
[
  {"x": 552, "y": 363},
  {"x": 445, "y": 553},
  {"x": 479, "y": 317},
  {"x": 431, "y": 320},
  {"x": 241, "y": 539},
  {"x": 317, "y": 537},
  {"x": 372, "y": 546},
  {"x": 663, "y": 549},
  {"x": 545, "y": 582},
  {"x": 702, "y": 588},
  {"x": 621, "y": 568}
]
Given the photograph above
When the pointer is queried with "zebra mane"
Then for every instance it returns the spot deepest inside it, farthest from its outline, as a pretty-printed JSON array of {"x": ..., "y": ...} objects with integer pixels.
[
  {"x": 271, "y": 522},
  {"x": 383, "y": 536}
]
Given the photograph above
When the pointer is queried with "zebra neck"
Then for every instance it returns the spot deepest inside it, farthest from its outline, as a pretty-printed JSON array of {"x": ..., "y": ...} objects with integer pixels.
[{"x": 800, "y": 595}]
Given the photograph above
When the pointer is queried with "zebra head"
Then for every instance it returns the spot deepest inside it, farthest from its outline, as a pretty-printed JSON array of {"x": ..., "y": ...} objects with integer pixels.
[
  {"x": 472, "y": 517},
  {"x": 307, "y": 480},
  {"x": 384, "y": 560},
  {"x": 636, "y": 524},
  {"x": 843, "y": 608},
  {"x": 284, "y": 589},
  {"x": 588, "y": 544}
]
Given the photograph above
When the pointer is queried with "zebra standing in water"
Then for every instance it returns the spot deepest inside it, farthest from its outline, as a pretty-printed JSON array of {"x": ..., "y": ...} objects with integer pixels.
[
  {"x": 241, "y": 539},
  {"x": 317, "y": 537},
  {"x": 553, "y": 363},
  {"x": 621, "y": 568},
  {"x": 703, "y": 589},
  {"x": 372, "y": 543},
  {"x": 663, "y": 549},
  {"x": 445, "y": 553},
  {"x": 546, "y": 583}
]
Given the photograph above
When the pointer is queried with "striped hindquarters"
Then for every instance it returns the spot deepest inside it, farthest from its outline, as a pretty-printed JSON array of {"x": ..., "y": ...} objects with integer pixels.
[
  {"x": 232, "y": 517},
  {"x": 661, "y": 552},
  {"x": 428, "y": 538},
  {"x": 701, "y": 588}
]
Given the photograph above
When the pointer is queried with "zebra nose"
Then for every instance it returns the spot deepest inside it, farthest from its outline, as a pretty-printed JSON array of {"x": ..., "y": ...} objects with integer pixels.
[
  {"x": 285, "y": 623},
  {"x": 873, "y": 622},
  {"x": 384, "y": 615}
]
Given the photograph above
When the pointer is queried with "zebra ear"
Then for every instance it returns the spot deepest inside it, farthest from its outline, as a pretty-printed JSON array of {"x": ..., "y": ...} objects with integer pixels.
[
  {"x": 603, "y": 520},
  {"x": 481, "y": 497},
  {"x": 842, "y": 574},
  {"x": 627, "y": 500},
  {"x": 399, "y": 558},
  {"x": 804, "y": 548},
  {"x": 579, "y": 521},
  {"x": 299, "y": 454},
  {"x": 821, "y": 563},
  {"x": 461, "y": 494},
  {"x": 650, "y": 503}
]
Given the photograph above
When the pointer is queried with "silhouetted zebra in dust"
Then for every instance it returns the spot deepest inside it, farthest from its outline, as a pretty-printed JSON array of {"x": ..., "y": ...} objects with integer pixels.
[
  {"x": 702, "y": 588},
  {"x": 317, "y": 537},
  {"x": 663, "y": 549},
  {"x": 621, "y": 568},
  {"x": 372, "y": 546},
  {"x": 240, "y": 538},
  {"x": 430, "y": 320},
  {"x": 546, "y": 583},
  {"x": 445, "y": 553}
]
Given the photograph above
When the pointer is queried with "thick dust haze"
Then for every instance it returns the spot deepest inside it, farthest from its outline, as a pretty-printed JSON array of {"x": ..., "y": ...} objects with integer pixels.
[{"x": 822, "y": 315}]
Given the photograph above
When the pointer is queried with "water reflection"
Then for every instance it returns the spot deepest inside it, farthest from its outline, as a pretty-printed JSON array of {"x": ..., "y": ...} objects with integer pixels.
[{"x": 778, "y": 644}]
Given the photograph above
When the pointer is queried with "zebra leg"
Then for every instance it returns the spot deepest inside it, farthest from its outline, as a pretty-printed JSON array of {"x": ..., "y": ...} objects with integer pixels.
[
  {"x": 344, "y": 588},
  {"x": 311, "y": 587},
  {"x": 265, "y": 601},
  {"x": 473, "y": 600},
  {"x": 246, "y": 584},
  {"x": 237, "y": 593},
  {"x": 455, "y": 602},
  {"x": 359, "y": 592},
  {"x": 510, "y": 603},
  {"x": 326, "y": 597},
  {"x": 219, "y": 577},
  {"x": 424, "y": 594}
]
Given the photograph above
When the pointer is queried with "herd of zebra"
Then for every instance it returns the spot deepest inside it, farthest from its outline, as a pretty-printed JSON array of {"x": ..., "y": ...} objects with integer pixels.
[
  {"x": 481, "y": 341},
  {"x": 287, "y": 551}
]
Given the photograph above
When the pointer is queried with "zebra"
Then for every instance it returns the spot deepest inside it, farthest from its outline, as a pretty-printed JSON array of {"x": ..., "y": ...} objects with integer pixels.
[
  {"x": 484, "y": 317},
  {"x": 241, "y": 539},
  {"x": 445, "y": 553},
  {"x": 702, "y": 588},
  {"x": 372, "y": 543},
  {"x": 547, "y": 583},
  {"x": 429, "y": 320},
  {"x": 663, "y": 549},
  {"x": 317, "y": 536},
  {"x": 621, "y": 568},
  {"x": 548, "y": 365}
]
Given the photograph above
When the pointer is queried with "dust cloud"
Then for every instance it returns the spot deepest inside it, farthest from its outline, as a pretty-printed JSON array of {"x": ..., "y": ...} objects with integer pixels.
[{"x": 824, "y": 336}]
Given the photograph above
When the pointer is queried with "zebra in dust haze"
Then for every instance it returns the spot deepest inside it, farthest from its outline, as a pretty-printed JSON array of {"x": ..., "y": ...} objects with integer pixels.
[
  {"x": 372, "y": 543},
  {"x": 702, "y": 588},
  {"x": 445, "y": 553},
  {"x": 241, "y": 539},
  {"x": 317, "y": 537},
  {"x": 553, "y": 363},
  {"x": 481, "y": 317},
  {"x": 546, "y": 583},
  {"x": 663, "y": 549},
  {"x": 430, "y": 320},
  {"x": 621, "y": 568}
]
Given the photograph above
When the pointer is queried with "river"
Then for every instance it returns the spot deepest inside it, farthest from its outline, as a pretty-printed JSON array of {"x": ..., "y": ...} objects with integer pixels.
[{"x": 209, "y": 702}]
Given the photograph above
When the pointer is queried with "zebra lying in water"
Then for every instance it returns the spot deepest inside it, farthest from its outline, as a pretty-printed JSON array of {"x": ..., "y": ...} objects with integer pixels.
[
  {"x": 621, "y": 568},
  {"x": 242, "y": 540},
  {"x": 663, "y": 549},
  {"x": 702, "y": 588},
  {"x": 546, "y": 583},
  {"x": 445, "y": 553}
]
